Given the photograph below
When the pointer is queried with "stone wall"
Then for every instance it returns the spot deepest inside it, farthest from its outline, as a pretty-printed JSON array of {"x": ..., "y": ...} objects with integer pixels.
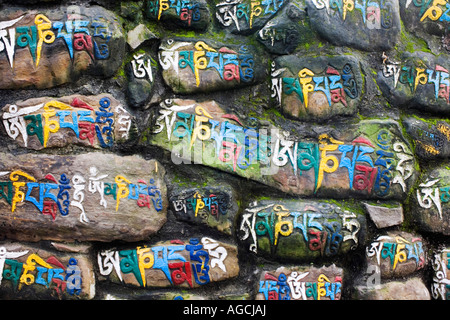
[{"x": 224, "y": 150}]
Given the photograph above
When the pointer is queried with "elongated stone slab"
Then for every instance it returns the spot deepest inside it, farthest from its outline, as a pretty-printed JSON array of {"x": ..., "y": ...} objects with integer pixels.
[
  {"x": 397, "y": 254},
  {"x": 86, "y": 197},
  {"x": 367, "y": 26},
  {"x": 419, "y": 80},
  {"x": 95, "y": 121},
  {"x": 429, "y": 207},
  {"x": 301, "y": 229},
  {"x": 317, "y": 88},
  {"x": 439, "y": 285},
  {"x": 215, "y": 207},
  {"x": 32, "y": 272},
  {"x": 301, "y": 283},
  {"x": 45, "y": 48},
  {"x": 189, "y": 263},
  {"x": 369, "y": 159},
  {"x": 191, "y": 14},
  {"x": 203, "y": 66}
]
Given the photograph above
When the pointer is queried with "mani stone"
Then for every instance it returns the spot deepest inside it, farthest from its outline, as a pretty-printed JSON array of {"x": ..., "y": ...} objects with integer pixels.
[
  {"x": 429, "y": 207},
  {"x": 301, "y": 283},
  {"x": 431, "y": 137},
  {"x": 317, "y": 88},
  {"x": 186, "y": 15},
  {"x": 141, "y": 72},
  {"x": 301, "y": 229},
  {"x": 177, "y": 263},
  {"x": 94, "y": 121},
  {"x": 212, "y": 206},
  {"x": 411, "y": 289},
  {"x": 86, "y": 197},
  {"x": 397, "y": 254},
  {"x": 195, "y": 66},
  {"x": 46, "y": 48},
  {"x": 440, "y": 282},
  {"x": 33, "y": 272},
  {"x": 385, "y": 216},
  {"x": 245, "y": 16},
  {"x": 367, "y": 159},
  {"x": 371, "y": 28},
  {"x": 418, "y": 80}
]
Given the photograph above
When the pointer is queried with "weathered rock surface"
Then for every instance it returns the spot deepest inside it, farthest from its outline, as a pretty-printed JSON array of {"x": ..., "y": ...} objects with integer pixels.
[
  {"x": 301, "y": 283},
  {"x": 429, "y": 201},
  {"x": 213, "y": 206},
  {"x": 418, "y": 80},
  {"x": 191, "y": 66},
  {"x": 86, "y": 197},
  {"x": 95, "y": 121},
  {"x": 191, "y": 14},
  {"x": 187, "y": 264},
  {"x": 439, "y": 286},
  {"x": 397, "y": 254},
  {"x": 411, "y": 289},
  {"x": 373, "y": 26},
  {"x": 47, "y": 48},
  {"x": 317, "y": 88},
  {"x": 141, "y": 73},
  {"x": 385, "y": 216},
  {"x": 369, "y": 159},
  {"x": 431, "y": 137},
  {"x": 32, "y": 272},
  {"x": 301, "y": 229}
]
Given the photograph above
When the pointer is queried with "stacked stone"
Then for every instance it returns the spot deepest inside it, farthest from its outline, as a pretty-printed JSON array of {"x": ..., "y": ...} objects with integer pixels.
[{"x": 282, "y": 150}]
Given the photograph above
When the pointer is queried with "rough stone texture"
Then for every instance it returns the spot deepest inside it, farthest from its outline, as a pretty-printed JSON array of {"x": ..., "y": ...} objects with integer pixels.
[
  {"x": 384, "y": 217},
  {"x": 317, "y": 88},
  {"x": 411, "y": 289},
  {"x": 302, "y": 229},
  {"x": 397, "y": 254},
  {"x": 439, "y": 287},
  {"x": 429, "y": 201},
  {"x": 192, "y": 263},
  {"x": 138, "y": 36},
  {"x": 94, "y": 121},
  {"x": 203, "y": 65},
  {"x": 141, "y": 74},
  {"x": 431, "y": 137},
  {"x": 86, "y": 197},
  {"x": 370, "y": 28},
  {"x": 386, "y": 162},
  {"x": 213, "y": 206},
  {"x": 55, "y": 59},
  {"x": 301, "y": 283},
  {"x": 32, "y": 272}
]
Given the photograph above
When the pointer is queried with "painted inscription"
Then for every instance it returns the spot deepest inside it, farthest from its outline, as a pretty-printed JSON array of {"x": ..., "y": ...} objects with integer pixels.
[
  {"x": 77, "y": 32},
  {"x": 25, "y": 269},
  {"x": 193, "y": 263},
  {"x": 43, "y": 123},
  {"x": 242, "y": 14},
  {"x": 370, "y": 165},
  {"x": 375, "y": 14},
  {"x": 396, "y": 255},
  {"x": 414, "y": 77},
  {"x": 189, "y": 12},
  {"x": 299, "y": 229},
  {"x": 431, "y": 10},
  {"x": 440, "y": 286},
  {"x": 201, "y": 62},
  {"x": 301, "y": 284}
]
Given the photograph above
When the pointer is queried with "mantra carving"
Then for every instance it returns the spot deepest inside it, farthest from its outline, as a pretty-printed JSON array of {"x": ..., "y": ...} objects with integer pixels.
[
  {"x": 372, "y": 165},
  {"x": 201, "y": 205},
  {"x": 417, "y": 76},
  {"x": 315, "y": 284},
  {"x": 317, "y": 228},
  {"x": 176, "y": 263},
  {"x": 392, "y": 253},
  {"x": 375, "y": 14},
  {"x": 228, "y": 65},
  {"x": 50, "y": 123},
  {"x": 432, "y": 10},
  {"x": 77, "y": 32},
  {"x": 187, "y": 11},
  {"x": 430, "y": 194},
  {"x": 241, "y": 14},
  {"x": 24, "y": 268},
  {"x": 337, "y": 86},
  {"x": 440, "y": 286}
]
